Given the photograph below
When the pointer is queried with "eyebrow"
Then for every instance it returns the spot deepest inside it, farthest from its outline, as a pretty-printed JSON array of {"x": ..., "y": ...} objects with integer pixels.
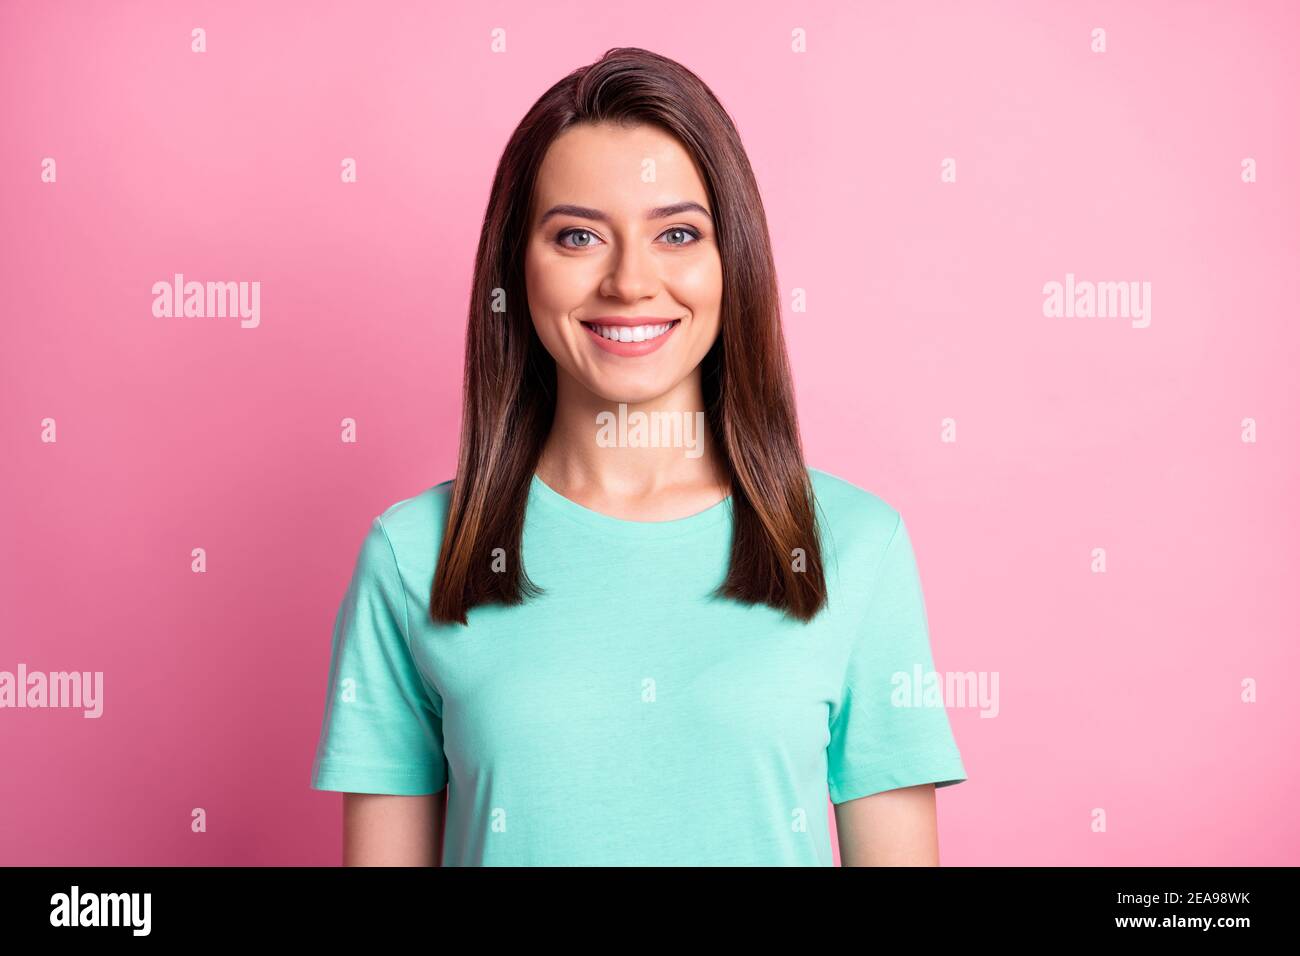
[{"x": 659, "y": 212}]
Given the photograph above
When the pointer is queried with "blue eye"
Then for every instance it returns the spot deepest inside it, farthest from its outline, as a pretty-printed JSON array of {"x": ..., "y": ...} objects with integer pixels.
[
  {"x": 574, "y": 232},
  {"x": 686, "y": 230}
]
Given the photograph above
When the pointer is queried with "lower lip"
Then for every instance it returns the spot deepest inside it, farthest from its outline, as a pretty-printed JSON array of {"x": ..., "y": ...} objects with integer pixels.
[{"x": 631, "y": 349}]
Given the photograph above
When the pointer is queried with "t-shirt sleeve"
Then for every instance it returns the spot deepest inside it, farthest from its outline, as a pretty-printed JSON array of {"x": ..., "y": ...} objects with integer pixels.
[
  {"x": 881, "y": 738},
  {"x": 382, "y": 730}
]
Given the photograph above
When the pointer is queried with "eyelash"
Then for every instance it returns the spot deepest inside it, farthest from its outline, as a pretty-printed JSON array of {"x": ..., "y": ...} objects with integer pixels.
[{"x": 689, "y": 230}]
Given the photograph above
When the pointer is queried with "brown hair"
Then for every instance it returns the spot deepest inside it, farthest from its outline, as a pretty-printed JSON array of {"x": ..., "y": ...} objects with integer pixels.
[{"x": 509, "y": 396}]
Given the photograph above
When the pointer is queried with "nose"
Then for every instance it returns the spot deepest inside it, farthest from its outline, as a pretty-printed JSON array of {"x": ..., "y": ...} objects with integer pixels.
[{"x": 633, "y": 275}]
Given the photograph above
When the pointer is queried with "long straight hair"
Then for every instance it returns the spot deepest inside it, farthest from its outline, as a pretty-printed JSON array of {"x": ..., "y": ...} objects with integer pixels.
[{"x": 510, "y": 386}]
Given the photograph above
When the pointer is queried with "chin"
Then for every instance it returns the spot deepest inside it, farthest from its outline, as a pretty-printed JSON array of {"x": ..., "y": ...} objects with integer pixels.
[{"x": 629, "y": 392}]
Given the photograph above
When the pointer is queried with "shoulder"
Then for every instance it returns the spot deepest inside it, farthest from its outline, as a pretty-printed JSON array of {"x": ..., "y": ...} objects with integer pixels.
[
  {"x": 413, "y": 526},
  {"x": 846, "y": 504},
  {"x": 430, "y": 504},
  {"x": 855, "y": 525}
]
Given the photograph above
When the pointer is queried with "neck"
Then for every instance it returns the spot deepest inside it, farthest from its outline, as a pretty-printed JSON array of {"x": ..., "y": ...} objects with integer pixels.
[{"x": 598, "y": 446}]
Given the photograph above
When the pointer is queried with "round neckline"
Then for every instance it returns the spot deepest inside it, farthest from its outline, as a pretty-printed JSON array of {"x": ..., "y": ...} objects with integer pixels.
[{"x": 553, "y": 501}]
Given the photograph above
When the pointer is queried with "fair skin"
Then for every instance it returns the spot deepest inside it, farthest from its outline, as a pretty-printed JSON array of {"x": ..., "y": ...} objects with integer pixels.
[
  {"x": 382, "y": 829},
  {"x": 610, "y": 258},
  {"x": 893, "y": 828},
  {"x": 604, "y": 242}
]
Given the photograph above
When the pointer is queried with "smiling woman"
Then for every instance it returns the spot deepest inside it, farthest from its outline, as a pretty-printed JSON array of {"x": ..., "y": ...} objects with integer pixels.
[
  {"x": 617, "y": 653},
  {"x": 644, "y": 280}
]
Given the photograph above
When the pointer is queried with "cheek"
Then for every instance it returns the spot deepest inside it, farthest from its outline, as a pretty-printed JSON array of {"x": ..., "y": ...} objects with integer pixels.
[
  {"x": 537, "y": 280},
  {"x": 555, "y": 288},
  {"x": 698, "y": 283}
]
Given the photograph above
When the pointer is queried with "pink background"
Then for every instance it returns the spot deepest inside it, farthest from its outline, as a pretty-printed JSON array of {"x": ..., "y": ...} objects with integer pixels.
[{"x": 1118, "y": 691}]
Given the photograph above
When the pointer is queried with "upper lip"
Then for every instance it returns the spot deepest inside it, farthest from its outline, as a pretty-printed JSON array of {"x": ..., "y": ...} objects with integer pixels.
[{"x": 634, "y": 320}]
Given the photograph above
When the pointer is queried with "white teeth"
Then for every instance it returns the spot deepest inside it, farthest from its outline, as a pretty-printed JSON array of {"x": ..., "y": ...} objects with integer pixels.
[{"x": 631, "y": 333}]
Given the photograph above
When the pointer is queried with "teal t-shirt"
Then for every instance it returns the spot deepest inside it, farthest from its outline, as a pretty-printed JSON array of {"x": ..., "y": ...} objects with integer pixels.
[{"x": 626, "y": 717}]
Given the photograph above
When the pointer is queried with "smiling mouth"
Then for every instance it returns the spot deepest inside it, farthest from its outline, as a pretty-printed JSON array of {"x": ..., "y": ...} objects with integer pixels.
[{"x": 632, "y": 333}]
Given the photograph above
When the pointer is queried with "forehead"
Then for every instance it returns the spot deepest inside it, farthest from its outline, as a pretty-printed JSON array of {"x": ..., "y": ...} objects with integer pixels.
[{"x": 617, "y": 167}]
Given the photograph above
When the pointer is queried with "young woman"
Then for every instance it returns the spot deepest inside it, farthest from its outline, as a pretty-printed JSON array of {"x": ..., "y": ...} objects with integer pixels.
[{"x": 635, "y": 629}]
